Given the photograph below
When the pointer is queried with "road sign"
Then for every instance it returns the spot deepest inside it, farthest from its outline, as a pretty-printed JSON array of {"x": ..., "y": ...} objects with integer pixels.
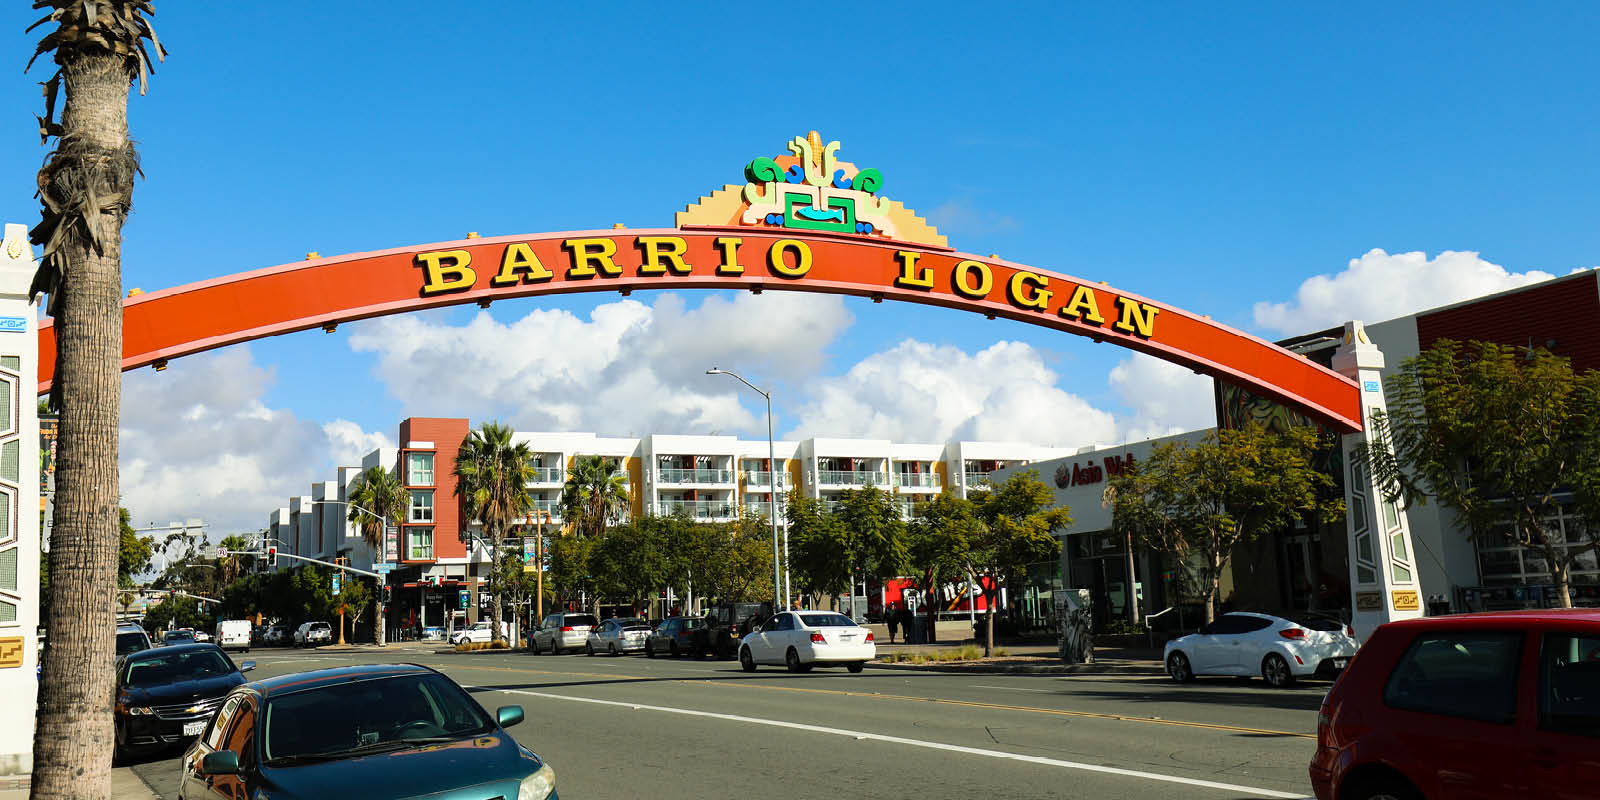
[
  {"x": 335, "y": 583},
  {"x": 464, "y": 594},
  {"x": 222, "y": 552},
  {"x": 382, "y": 569}
]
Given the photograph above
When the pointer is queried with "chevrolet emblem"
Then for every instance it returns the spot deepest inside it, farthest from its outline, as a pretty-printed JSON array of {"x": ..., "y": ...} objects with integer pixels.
[{"x": 192, "y": 710}]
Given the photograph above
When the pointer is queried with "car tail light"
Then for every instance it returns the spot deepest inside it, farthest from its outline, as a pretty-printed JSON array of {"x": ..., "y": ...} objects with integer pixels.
[
  {"x": 869, "y": 636},
  {"x": 818, "y": 638},
  {"x": 1350, "y": 631},
  {"x": 567, "y": 629},
  {"x": 1292, "y": 633},
  {"x": 1324, "y": 726}
]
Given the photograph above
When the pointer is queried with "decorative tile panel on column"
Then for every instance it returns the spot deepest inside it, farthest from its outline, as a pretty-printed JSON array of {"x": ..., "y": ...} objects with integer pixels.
[
  {"x": 1383, "y": 578},
  {"x": 19, "y": 501}
]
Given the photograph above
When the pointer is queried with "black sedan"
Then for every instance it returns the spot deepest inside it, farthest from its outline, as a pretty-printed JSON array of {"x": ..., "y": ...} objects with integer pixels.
[
  {"x": 166, "y": 695},
  {"x": 675, "y": 636},
  {"x": 369, "y": 731}
]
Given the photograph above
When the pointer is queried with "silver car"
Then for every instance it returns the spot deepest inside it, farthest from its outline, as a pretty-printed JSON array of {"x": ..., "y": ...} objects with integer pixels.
[
  {"x": 618, "y": 635},
  {"x": 561, "y": 631}
]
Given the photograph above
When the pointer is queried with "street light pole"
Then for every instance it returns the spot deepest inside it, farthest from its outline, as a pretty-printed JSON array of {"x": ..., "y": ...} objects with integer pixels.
[
  {"x": 780, "y": 584},
  {"x": 381, "y": 555}
]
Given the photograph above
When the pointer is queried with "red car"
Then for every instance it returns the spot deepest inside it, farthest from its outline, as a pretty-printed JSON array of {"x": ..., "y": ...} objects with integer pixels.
[{"x": 1501, "y": 705}]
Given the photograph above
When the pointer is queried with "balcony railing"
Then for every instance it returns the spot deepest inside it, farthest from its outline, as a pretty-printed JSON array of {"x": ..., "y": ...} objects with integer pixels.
[
  {"x": 917, "y": 480},
  {"x": 762, "y": 477},
  {"x": 763, "y": 508},
  {"x": 844, "y": 477},
  {"x": 977, "y": 478},
  {"x": 674, "y": 475},
  {"x": 548, "y": 475},
  {"x": 553, "y": 507},
  {"x": 832, "y": 506},
  {"x": 908, "y": 511},
  {"x": 697, "y": 509}
]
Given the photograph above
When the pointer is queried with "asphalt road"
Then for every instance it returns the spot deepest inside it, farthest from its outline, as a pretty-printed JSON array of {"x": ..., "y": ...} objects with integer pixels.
[{"x": 629, "y": 727}]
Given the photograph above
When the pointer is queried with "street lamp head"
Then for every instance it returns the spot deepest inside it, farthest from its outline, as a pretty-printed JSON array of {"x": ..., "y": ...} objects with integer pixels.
[{"x": 714, "y": 371}]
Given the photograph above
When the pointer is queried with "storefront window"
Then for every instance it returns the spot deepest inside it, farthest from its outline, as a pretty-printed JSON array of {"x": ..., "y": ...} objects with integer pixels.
[{"x": 419, "y": 544}]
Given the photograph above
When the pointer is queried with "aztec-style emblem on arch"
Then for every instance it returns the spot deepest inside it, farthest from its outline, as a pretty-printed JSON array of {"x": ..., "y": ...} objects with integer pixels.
[{"x": 811, "y": 190}]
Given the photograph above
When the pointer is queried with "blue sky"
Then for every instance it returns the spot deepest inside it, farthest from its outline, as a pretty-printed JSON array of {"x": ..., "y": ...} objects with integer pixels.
[{"x": 1213, "y": 157}]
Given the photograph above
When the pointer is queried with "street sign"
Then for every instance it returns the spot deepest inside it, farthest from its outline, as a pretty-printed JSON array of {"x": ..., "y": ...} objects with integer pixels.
[
  {"x": 464, "y": 594},
  {"x": 335, "y": 583},
  {"x": 222, "y": 552},
  {"x": 382, "y": 569}
]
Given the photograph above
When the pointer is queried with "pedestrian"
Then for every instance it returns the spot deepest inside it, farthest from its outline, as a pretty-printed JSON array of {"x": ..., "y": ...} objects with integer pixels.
[{"x": 893, "y": 618}]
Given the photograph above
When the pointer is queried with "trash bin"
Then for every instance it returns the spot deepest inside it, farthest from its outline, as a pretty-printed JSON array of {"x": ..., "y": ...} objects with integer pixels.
[{"x": 917, "y": 630}]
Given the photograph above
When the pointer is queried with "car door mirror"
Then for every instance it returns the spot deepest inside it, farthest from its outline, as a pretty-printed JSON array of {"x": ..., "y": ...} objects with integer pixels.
[
  {"x": 508, "y": 715},
  {"x": 222, "y": 762},
  {"x": 247, "y": 666},
  {"x": 1205, "y": 630}
]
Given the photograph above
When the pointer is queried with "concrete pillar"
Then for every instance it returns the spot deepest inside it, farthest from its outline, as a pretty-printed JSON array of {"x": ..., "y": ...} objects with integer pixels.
[
  {"x": 19, "y": 502},
  {"x": 1383, "y": 571}
]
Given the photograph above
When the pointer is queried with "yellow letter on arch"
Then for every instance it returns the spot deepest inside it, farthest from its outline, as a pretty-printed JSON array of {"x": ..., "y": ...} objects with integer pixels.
[
  {"x": 519, "y": 257},
  {"x": 1018, "y": 289},
  {"x": 659, "y": 249},
  {"x": 1083, "y": 307},
  {"x": 590, "y": 253},
  {"x": 446, "y": 271},
  {"x": 963, "y": 279},
  {"x": 1136, "y": 318},
  {"x": 780, "y": 263}
]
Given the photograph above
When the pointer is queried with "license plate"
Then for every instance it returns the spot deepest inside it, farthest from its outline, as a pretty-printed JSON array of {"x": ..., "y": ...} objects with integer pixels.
[
  {"x": 194, "y": 728},
  {"x": 845, "y": 637},
  {"x": 1339, "y": 663}
]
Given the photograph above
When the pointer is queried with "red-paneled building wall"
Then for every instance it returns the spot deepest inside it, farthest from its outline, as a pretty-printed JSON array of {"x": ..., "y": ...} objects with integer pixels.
[
  {"x": 440, "y": 438},
  {"x": 1565, "y": 311}
]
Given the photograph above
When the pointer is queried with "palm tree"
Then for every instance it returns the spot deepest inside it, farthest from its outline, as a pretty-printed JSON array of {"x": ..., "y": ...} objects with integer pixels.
[
  {"x": 232, "y": 564},
  {"x": 595, "y": 496},
  {"x": 380, "y": 492},
  {"x": 86, "y": 190},
  {"x": 492, "y": 473}
]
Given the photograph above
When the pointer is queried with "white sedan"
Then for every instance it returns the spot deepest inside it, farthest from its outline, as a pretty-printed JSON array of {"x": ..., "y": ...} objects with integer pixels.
[
  {"x": 478, "y": 632},
  {"x": 803, "y": 639},
  {"x": 1278, "y": 648}
]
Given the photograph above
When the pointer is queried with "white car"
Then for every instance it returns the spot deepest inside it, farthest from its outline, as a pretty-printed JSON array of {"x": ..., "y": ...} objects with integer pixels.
[
  {"x": 479, "y": 632},
  {"x": 801, "y": 640},
  {"x": 618, "y": 635},
  {"x": 311, "y": 634},
  {"x": 1278, "y": 648}
]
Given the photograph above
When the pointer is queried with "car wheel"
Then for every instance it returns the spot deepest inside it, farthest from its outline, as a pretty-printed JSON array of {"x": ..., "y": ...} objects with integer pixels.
[
  {"x": 611, "y": 650},
  {"x": 746, "y": 660},
  {"x": 791, "y": 659},
  {"x": 856, "y": 666},
  {"x": 1178, "y": 667},
  {"x": 589, "y": 646},
  {"x": 672, "y": 650},
  {"x": 1382, "y": 787},
  {"x": 1275, "y": 671},
  {"x": 649, "y": 649}
]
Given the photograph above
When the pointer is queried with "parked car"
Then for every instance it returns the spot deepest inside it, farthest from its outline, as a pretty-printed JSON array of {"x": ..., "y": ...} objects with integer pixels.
[
  {"x": 370, "y": 731},
  {"x": 131, "y": 639},
  {"x": 562, "y": 631},
  {"x": 1279, "y": 648},
  {"x": 199, "y": 636},
  {"x": 276, "y": 635},
  {"x": 166, "y": 694},
  {"x": 478, "y": 632},
  {"x": 178, "y": 636},
  {"x": 1503, "y": 704},
  {"x": 726, "y": 624},
  {"x": 311, "y": 634},
  {"x": 234, "y": 633},
  {"x": 675, "y": 636},
  {"x": 801, "y": 640},
  {"x": 618, "y": 636}
]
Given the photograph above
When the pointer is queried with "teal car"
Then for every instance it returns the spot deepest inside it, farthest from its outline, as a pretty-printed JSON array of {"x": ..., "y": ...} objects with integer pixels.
[{"x": 371, "y": 731}]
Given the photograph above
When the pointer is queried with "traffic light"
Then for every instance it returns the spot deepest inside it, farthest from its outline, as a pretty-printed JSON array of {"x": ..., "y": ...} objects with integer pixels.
[
  {"x": 272, "y": 556},
  {"x": 387, "y": 594}
]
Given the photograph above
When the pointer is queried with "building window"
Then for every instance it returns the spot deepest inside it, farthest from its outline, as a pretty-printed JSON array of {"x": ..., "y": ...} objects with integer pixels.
[
  {"x": 419, "y": 469},
  {"x": 419, "y": 544},
  {"x": 421, "y": 507}
]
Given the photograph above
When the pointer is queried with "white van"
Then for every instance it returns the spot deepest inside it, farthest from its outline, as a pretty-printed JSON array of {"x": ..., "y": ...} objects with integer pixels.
[{"x": 234, "y": 633}]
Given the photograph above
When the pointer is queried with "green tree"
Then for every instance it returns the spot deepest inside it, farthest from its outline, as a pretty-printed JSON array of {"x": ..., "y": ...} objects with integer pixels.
[
  {"x": 569, "y": 577},
  {"x": 179, "y": 612},
  {"x": 517, "y": 585},
  {"x": 86, "y": 192},
  {"x": 377, "y": 491},
  {"x": 936, "y": 541},
  {"x": 630, "y": 561},
  {"x": 819, "y": 558},
  {"x": 1018, "y": 518},
  {"x": 492, "y": 472},
  {"x": 832, "y": 552},
  {"x": 1501, "y": 435},
  {"x": 355, "y": 597},
  {"x": 311, "y": 593},
  {"x": 595, "y": 495},
  {"x": 134, "y": 553},
  {"x": 1200, "y": 501}
]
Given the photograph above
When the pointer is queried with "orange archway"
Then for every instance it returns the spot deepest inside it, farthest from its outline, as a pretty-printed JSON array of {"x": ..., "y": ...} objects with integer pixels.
[{"x": 321, "y": 292}]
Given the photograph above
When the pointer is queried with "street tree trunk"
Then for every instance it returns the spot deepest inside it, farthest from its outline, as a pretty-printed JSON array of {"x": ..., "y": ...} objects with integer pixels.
[
  {"x": 494, "y": 570},
  {"x": 1561, "y": 572},
  {"x": 988, "y": 633},
  {"x": 73, "y": 741}
]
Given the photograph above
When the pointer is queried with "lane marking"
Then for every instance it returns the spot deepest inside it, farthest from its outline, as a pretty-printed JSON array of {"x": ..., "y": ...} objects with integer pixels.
[
  {"x": 1012, "y": 688},
  {"x": 952, "y": 748},
  {"x": 919, "y": 699}
]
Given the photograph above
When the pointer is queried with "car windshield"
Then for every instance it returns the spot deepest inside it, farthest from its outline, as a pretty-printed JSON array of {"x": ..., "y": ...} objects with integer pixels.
[
  {"x": 827, "y": 621},
  {"x": 1315, "y": 622},
  {"x": 131, "y": 642},
  {"x": 693, "y": 624},
  {"x": 579, "y": 620},
  {"x": 632, "y": 624},
  {"x": 362, "y": 716},
  {"x": 173, "y": 635},
  {"x": 154, "y": 670}
]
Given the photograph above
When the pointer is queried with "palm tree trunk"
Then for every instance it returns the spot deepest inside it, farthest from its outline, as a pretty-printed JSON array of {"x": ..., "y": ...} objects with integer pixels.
[
  {"x": 73, "y": 740},
  {"x": 494, "y": 568}
]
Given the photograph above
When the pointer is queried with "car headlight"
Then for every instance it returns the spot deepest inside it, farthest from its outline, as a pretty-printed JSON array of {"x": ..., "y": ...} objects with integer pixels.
[
  {"x": 539, "y": 785},
  {"x": 139, "y": 710}
]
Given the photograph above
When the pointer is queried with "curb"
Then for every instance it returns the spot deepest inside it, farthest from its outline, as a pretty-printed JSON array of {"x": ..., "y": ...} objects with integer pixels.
[{"x": 1139, "y": 670}]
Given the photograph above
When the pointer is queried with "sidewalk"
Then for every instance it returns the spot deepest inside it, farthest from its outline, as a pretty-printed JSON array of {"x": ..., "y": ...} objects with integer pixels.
[{"x": 125, "y": 785}]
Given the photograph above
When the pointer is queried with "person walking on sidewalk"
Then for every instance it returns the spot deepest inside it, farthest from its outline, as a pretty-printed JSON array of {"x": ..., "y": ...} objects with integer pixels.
[{"x": 893, "y": 620}]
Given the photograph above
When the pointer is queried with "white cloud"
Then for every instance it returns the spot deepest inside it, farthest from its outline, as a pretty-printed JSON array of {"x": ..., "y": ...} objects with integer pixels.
[
  {"x": 197, "y": 441},
  {"x": 919, "y": 392},
  {"x": 1379, "y": 286},
  {"x": 959, "y": 216},
  {"x": 1165, "y": 398},
  {"x": 629, "y": 368}
]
